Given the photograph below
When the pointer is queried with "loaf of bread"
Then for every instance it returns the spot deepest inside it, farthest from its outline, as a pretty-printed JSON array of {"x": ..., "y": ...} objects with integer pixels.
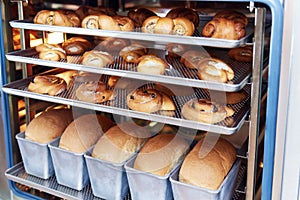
[
  {"x": 120, "y": 142},
  {"x": 84, "y": 132},
  {"x": 48, "y": 125},
  {"x": 208, "y": 164},
  {"x": 161, "y": 154}
]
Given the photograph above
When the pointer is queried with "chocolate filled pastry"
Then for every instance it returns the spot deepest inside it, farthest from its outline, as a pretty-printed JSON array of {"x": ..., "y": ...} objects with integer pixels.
[
  {"x": 151, "y": 64},
  {"x": 113, "y": 44},
  {"x": 51, "y": 52},
  {"x": 176, "y": 50},
  {"x": 183, "y": 26},
  {"x": 133, "y": 52},
  {"x": 96, "y": 58},
  {"x": 76, "y": 45},
  {"x": 94, "y": 92},
  {"x": 213, "y": 69},
  {"x": 203, "y": 110},
  {"x": 139, "y": 15},
  {"x": 58, "y": 18},
  {"x": 188, "y": 13},
  {"x": 47, "y": 84},
  {"x": 241, "y": 54},
  {"x": 229, "y": 25},
  {"x": 191, "y": 58}
]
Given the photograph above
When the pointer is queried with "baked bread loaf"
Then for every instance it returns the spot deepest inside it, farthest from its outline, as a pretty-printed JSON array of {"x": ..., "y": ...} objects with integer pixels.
[
  {"x": 76, "y": 45},
  {"x": 84, "y": 132},
  {"x": 94, "y": 92},
  {"x": 57, "y": 18},
  {"x": 51, "y": 52},
  {"x": 226, "y": 24},
  {"x": 187, "y": 13},
  {"x": 191, "y": 58},
  {"x": 161, "y": 154},
  {"x": 96, "y": 58},
  {"x": 216, "y": 70},
  {"x": 68, "y": 76},
  {"x": 133, "y": 52},
  {"x": 112, "y": 44},
  {"x": 241, "y": 54},
  {"x": 151, "y": 64},
  {"x": 139, "y": 15},
  {"x": 208, "y": 163},
  {"x": 47, "y": 84},
  {"x": 204, "y": 110},
  {"x": 48, "y": 125},
  {"x": 120, "y": 142}
]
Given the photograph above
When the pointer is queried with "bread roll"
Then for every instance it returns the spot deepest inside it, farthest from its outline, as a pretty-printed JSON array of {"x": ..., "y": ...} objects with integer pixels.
[
  {"x": 76, "y": 45},
  {"x": 139, "y": 15},
  {"x": 47, "y": 84},
  {"x": 84, "y": 132},
  {"x": 161, "y": 154},
  {"x": 120, "y": 142},
  {"x": 208, "y": 164},
  {"x": 48, "y": 125},
  {"x": 188, "y": 13},
  {"x": 241, "y": 54},
  {"x": 96, "y": 58},
  {"x": 58, "y": 18}
]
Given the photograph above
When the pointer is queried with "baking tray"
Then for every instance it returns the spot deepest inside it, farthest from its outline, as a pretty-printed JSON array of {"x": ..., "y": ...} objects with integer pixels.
[
  {"x": 196, "y": 39},
  {"x": 119, "y": 106},
  {"x": 178, "y": 74}
]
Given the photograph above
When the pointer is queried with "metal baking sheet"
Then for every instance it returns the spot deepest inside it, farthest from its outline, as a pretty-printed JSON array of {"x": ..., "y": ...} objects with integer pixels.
[
  {"x": 119, "y": 106},
  {"x": 196, "y": 39},
  {"x": 178, "y": 74}
]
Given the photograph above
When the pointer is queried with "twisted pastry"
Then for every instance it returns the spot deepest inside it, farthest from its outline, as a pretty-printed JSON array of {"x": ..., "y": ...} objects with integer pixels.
[
  {"x": 205, "y": 111},
  {"x": 47, "y": 84},
  {"x": 183, "y": 26},
  {"x": 91, "y": 22}
]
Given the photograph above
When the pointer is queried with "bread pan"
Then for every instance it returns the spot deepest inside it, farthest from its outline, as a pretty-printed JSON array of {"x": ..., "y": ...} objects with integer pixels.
[
  {"x": 70, "y": 168},
  {"x": 36, "y": 157},
  {"x": 108, "y": 180},
  {"x": 183, "y": 191},
  {"x": 147, "y": 186}
]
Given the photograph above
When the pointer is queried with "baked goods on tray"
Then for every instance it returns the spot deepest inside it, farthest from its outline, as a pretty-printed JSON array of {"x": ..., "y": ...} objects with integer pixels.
[
  {"x": 57, "y": 18},
  {"x": 76, "y": 45},
  {"x": 133, "y": 52},
  {"x": 139, "y": 15},
  {"x": 188, "y": 13},
  {"x": 152, "y": 64},
  {"x": 51, "y": 52},
  {"x": 191, "y": 58},
  {"x": 96, "y": 58},
  {"x": 241, "y": 54},
  {"x": 227, "y": 24},
  {"x": 112, "y": 44},
  {"x": 47, "y": 84}
]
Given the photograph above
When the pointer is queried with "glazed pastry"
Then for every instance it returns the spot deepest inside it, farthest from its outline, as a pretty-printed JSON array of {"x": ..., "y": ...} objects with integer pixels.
[
  {"x": 47, "y": 84},
  {"x": 151, "y": 64},
  {"x": 94, "y": 92},
  {"x": 191, "y": 58},
  {"x": 241, "y": 54},
  {"x": 139, "y": 15},
  {"x": 133, "y": 52},
  {"x": 188, "y": 13},
  {"x": 58, "y": 18},
  {"x": 149, "y": 24},
  {"x": 76, "y": 45},
  {"x": 96, "y": 58},
  {"x": 164, "y": 25},
  {"x": 205, "y": 111},
  {"x": 213, "y": 69},
  {"x": 183, "y": 26},
  {"x": 91, "y": 22}
]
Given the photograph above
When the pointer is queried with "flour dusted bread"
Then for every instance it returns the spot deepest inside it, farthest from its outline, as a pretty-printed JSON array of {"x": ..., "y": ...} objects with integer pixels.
[
  {"x": 120, "y": 142},
  {"x": 84, "y": 132},
  {"x": 161, "y": 154},
  {"x": 208, "y": 164},
  {"x": 48, "y": 125}
]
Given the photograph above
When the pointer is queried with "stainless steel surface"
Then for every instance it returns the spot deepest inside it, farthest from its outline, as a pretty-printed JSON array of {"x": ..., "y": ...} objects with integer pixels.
[
  {"x": 137, "y": 35},
  {"x": 255, "y": 101},
  {"x": 178, "y": 74},
  {"x": 119, "y": 106}
]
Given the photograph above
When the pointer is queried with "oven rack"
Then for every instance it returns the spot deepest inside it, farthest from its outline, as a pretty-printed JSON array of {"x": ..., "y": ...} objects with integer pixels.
[{"x": 178, "y": 74}]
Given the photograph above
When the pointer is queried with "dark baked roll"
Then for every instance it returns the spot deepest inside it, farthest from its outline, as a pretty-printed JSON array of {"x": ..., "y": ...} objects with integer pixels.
[
  {"x": 76, "y": 45},
  {"x": 241, "y": 54},
  {"x": 139, "y": 15},
  {"x": 188, "y": 13}
]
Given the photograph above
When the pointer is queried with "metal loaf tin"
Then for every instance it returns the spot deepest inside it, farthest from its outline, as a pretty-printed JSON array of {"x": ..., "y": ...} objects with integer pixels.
[
  {"x": 108, "y": 180},
  {"x": 183, "y": 191},
  {"x": 147, "y": 186},
  {"x": 36, "y": 157},
  {"x": 70, "y": 168}
]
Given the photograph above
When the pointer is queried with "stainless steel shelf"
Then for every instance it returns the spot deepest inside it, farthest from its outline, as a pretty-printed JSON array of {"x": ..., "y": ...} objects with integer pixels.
[{"x": 138, "y": 35}]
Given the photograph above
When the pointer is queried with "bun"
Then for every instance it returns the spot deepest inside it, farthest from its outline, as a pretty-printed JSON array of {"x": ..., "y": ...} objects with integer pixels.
[
  {"x": 151, "y": 64},
  {"x": 84, "y": 132},
  {"x": 241, "y": 54},
  {"x": 94, "y": 92},
  {"x": 96, "y": 58},
  {"x": 161, "y": 154},
  {"x": 124, "y": 23},
  {"x": 120, "y": 142},
  {"x": 213, "y": 69},
  {"x": 91, "y": 21},
  {"x": 191, "y": 58},
  {"x": 204, "y": 110},
  {"x": 113, "y": 44},
  {"x": 133, "y": 52},
  {"x": 176, "y": 50},
  {"x": 58, "y": 18},
  {"x": 52, "y": 52},
  {"x": 76, "y": 45},
  {"x": 68, "y": 76},
  {"x": 139, "y": 15},
  {"x": 48, "y": 125},
  {"x": 47, "y": 84},
  {"x": 190, "y": 14},
  {"x": 229, "y": 25},
  {"x": 149, "y": 24},
  {"x": 183, "y": 26},
  {"x": 208, "y": 164},
  {"x": 164, "y": 25}
]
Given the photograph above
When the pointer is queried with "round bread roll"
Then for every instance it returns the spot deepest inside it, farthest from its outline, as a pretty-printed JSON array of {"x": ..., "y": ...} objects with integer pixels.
[
  {"x": 241, "y": 54},
  {"x": 113, "y": 44},
  {"x": 161, "y": 154},
  {"x": 139, "y": 15},
  {"x": 151, "y": 64},
  {"x": 76, "y": 45},
  {"x": 190, "y": 14},
  {"x": 52, "y": 52},
  {"x": 120, "y": 142},
  {"x": 149, "y": 24},
  {"x": 47, "y": 84},
  {"x": 48, "y": 125},
  {"x": 96, "y": 58},
  {"x": 84, "y": 132},
  {"x": 133, "y": 52},
  {"x": 208, "y": 163},
  {"x": 176, "y": 50},
  {"x": 183, "y": 26},
  {"x": 164, "y": 25}
]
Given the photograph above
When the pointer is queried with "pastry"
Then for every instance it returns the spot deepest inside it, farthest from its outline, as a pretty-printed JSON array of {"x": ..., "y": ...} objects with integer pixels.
[
  {"x": 139, "y": 15},
  {"x": 52, "y": 52},
  {"x": 68, "y": 76},
  {"x": 85, "y": 10},
  {"x": 227, "y": 97},
  {"x": 58, "y": 18},
  {"x": 94, "y": 92},
  {"x": 188, "y": 13},
  {"x": 124, "y": 23},
  {"x": 191, "y": 58},
  {"x": 91, "y": 21},
  {"x": 203, "y": 110},
  {"x": 76, "y": 45},
  {"x": 133, "y": 52},
  {"x": 151, "y": 64},
  {"x": 164, "y": 25},
  {"x": 47, "y": 84},
  {"x": 241, "y": 54},
  {"x": 96, "y": 58},
  {"x": 149, "y": 24},
  {"x": 113, "y": 44},
  {"x": 213, "y": 69},
  {"x": 176, "y": 50},
  {"x": 183, "y": 26}
]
